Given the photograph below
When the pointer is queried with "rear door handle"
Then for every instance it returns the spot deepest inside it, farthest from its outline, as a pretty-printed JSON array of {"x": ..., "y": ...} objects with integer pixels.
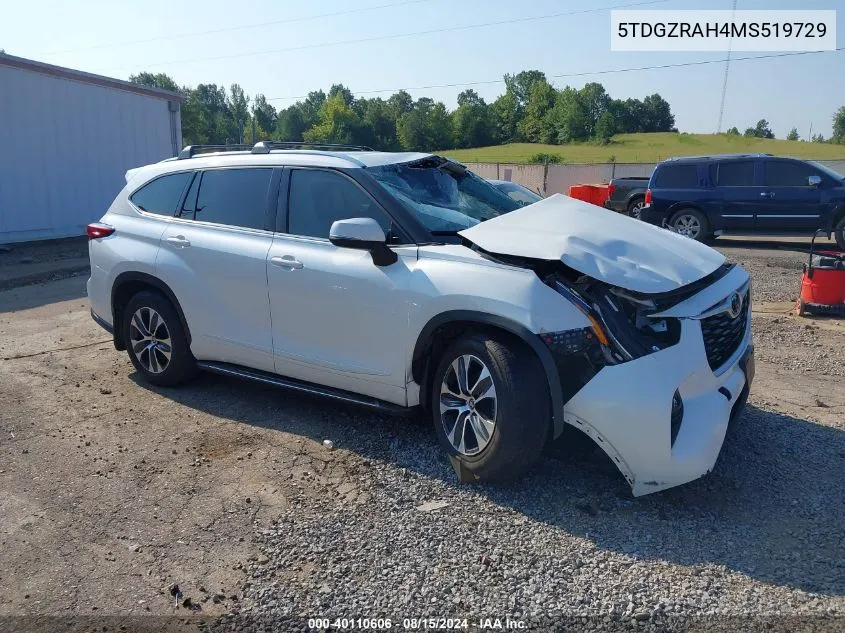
[
  {"x": 767, "y": 194},
  {"x": 179, "y": 241},
  {"x": 286, "y": 261}
]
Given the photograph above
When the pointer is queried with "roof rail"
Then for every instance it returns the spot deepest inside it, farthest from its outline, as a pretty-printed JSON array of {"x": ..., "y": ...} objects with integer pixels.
[
  {"x": 264, "y": 147},
  {"x": 192, "y": 150},
  {"x": 706, "y": 156}
]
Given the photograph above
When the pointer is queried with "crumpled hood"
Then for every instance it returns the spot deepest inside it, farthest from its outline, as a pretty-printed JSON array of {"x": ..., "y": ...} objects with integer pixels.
[{"x": 603, "y": 244}]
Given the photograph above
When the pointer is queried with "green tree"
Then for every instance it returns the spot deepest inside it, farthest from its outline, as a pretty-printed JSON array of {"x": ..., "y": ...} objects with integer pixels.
[
  {"x": 761, "y": 130},
  {"x": 510, "y": 110},
  {"x": 472, "y": 121},
  {"x": 793, "y": 135},
  {"x": 378, "y": 125},
  {"x": 238, "y": 110},
  {"x": 290, "y": 124},
  {"x": 818, "y": 138},
  {"x": 733, "y": 131},
  {"x": 569, "y": 117},
  {"x": 265, "y": 115},
  {"x": 536, "y": 125},
  {"x": 338, "y": 123},
  {"x": 839, "y": 126},
  {"x": 426, "y": 126},
  {"x": 399, "y": 103},
  {"x": 339, "y": 90},
  {"x": 155, "y": 80},
  {"x": 505, "y": 117},
  {"x": 657, "y": 115},
  {"x": 209, "y": 119},
  {"x": 594, "y": 102},
  {"x": 519, "y": 85},
  {"x": 606, "y": 127}
]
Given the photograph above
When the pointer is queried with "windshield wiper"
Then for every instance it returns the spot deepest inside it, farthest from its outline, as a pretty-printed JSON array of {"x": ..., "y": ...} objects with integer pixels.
[{"x": 452, "y": 232}]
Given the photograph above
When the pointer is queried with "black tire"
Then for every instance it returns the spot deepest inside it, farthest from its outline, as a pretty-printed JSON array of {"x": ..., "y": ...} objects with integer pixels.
[
  {"x": 634, "y": 207},
  {"x": 704, "y": 233},
  {"x": 522, "y": 408},
  {"x": 839, "y": 233},
  {"x": 181, "y": 364}
]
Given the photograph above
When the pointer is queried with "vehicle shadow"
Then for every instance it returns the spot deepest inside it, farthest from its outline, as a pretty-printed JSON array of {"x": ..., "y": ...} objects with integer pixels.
[
  {"x": 771, "y": 508},
  {"x": 801, "y": 245},
  {"x": 43, "y": 294}
]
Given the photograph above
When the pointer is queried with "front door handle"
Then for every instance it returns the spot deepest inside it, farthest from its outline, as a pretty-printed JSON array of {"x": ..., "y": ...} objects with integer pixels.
[
  {"x": 767, "y": 194},
  {"x": 179, "y": 241},
  {"x": 286, "y": 261}
]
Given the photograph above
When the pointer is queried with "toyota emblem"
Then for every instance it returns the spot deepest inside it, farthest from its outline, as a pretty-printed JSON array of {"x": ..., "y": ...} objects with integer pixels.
[{"x": 735, "y": 306}]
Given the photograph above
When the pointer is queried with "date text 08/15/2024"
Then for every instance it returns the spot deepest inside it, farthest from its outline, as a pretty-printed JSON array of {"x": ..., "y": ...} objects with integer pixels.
[{"x": 383, "y": 624}]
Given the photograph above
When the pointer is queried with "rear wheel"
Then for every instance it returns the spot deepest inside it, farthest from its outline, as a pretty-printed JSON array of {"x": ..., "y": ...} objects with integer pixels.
[
  {"x": 635, "y": 206},
  {"x": 691, "y": 223},
  {"x": 490, "y": 407},
  {"x": 156, "y": 341}
]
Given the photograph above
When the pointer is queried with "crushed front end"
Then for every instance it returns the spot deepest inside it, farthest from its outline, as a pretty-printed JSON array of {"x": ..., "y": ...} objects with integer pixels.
[{"x": 658, "y": 377}]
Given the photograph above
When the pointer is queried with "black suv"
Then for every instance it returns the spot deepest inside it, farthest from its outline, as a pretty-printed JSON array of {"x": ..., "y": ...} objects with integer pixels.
[{"x": 705, "y": 196}]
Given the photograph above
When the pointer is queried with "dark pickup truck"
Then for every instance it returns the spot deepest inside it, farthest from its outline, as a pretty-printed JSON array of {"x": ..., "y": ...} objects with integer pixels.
[{"x": 627, "y": 195}]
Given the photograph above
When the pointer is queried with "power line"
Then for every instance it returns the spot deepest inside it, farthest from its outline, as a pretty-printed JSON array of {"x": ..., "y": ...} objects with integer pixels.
[
  {"x": 379, "y": 38},
  {"x": 237, "y": 28},
  {"x": 580, "y": 74}
]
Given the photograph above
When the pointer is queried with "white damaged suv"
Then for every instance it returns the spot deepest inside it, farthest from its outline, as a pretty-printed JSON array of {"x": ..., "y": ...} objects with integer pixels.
[{"x": 403, "y": 280}]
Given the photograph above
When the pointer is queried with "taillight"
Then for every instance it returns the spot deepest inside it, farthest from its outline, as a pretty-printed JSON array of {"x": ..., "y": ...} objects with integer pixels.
[
  {"x": 648, "y": 196},
  {"x": 610, "y": 190},
  {"x": 97, "y": 230}
]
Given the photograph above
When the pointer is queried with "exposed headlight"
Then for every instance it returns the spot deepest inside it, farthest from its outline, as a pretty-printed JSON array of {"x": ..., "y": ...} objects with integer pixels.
[{"x": 620, "y": 321}]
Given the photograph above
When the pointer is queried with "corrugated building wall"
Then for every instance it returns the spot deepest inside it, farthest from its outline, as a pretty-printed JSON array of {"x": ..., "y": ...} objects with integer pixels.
[{"x": 66, "y": 141}]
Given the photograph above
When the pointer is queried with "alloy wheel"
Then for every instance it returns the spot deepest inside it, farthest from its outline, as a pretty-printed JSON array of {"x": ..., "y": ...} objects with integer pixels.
[
  {"x": 688, "y": 225},
  {"x": 468, "y": 405},
  {"x": 635, "y": 210},
  {"x": 150, "y": 340}
]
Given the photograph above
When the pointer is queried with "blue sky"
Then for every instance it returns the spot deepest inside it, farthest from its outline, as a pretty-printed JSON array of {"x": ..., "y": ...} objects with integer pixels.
[{"x": 800, "y": 91}]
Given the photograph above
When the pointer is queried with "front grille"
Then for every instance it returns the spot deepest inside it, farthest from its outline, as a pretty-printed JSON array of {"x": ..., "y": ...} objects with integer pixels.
[{"x": 723, "y": 334}]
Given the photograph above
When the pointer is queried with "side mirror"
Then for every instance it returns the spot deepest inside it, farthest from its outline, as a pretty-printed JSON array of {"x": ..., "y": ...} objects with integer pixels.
[
  {"x": 363, "y": 234},
  {"x": 814, "y": 181}
]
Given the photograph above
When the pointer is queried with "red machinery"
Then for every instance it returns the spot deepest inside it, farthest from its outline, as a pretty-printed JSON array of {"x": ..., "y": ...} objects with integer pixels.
[
  {"x": 823, "y": 283},
  {"x": 595, "y": 194}
]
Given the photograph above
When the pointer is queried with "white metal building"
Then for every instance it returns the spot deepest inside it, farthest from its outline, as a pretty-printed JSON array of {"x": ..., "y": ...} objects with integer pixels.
[{"x": 66, "y": 141}]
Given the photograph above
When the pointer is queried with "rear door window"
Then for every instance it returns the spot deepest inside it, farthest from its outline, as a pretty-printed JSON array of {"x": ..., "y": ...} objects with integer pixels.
[
  {"x": 162, "y": 195},
  {"x": 785, "y": 173},
  {"x": 235, "y": 197},
  {"x": 735, "y": 174},
  {"x": 677, "y": 177}
]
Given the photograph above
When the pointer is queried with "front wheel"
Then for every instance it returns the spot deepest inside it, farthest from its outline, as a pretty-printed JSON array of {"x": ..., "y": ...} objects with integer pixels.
[
  {"x": 691, "y": 223},
  {"x": 490, "y": 407}
]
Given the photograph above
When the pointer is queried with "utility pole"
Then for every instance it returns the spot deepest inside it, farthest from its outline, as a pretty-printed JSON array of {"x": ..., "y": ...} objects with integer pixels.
[{"x": 725, "y": 80}]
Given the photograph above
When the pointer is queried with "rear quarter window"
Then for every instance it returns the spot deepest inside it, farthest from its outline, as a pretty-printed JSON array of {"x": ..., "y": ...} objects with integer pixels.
[
  {"x": 676, "y": 177},
  {"x": 161, "y": 195}
]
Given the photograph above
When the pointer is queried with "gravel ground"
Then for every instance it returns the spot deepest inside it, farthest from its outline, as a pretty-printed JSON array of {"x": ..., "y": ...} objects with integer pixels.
[
  {"x": 112, "y": 492},
  {"x": 406, "y": 541}
]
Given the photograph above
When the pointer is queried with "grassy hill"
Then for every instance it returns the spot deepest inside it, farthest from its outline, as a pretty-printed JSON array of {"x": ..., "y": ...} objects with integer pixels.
[{"x": 647, "y": 148}]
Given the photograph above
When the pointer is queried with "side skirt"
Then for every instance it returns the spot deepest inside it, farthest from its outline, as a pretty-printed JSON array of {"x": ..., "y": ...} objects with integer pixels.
[{"x": 228, "y": 369}]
